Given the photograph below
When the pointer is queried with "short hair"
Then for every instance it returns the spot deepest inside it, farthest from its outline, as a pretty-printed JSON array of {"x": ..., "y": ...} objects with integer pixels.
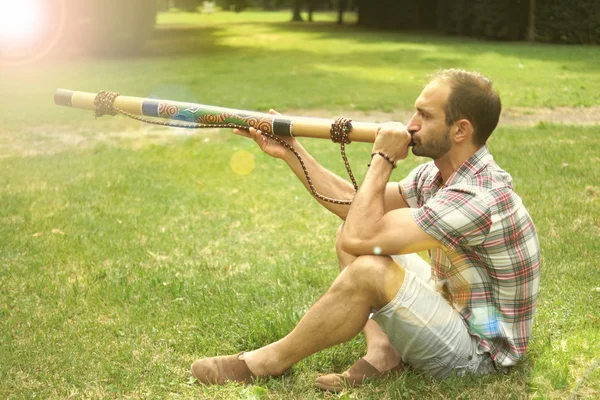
[{"x": 473, "y": 98}]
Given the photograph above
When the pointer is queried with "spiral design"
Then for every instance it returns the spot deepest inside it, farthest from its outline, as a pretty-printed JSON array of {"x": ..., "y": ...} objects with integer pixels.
[
  {"x": 166, "y": 110},
  {"x": 213, "y": 118},
  {"x": 251, "y": 121},
  {"x": 264, "y": 125}
]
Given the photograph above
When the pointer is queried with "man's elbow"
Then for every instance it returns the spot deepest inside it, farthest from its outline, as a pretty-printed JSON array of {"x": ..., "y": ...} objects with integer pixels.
[{"x": 352, "y": 244}]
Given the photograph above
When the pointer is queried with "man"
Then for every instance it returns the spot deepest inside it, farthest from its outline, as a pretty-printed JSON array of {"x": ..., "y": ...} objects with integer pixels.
[{"x": 472, "y": 310}]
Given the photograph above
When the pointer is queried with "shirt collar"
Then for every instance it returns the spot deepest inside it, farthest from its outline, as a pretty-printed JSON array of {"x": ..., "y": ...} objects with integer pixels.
[{"x": 470, "y": 167}]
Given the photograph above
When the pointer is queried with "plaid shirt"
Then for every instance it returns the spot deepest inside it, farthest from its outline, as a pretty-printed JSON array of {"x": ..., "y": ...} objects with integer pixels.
[{"x": 489, "y": 266}]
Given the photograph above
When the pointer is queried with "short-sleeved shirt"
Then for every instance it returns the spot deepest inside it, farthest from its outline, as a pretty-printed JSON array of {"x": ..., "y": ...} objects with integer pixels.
[{"x": 489, "y": 265}]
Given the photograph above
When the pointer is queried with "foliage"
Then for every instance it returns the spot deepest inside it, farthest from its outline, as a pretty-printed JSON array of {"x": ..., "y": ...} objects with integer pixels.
[
  {"x": 384, "y": 14},
  {"x": 568, "y": 21},
  {"x": 493, "y": 19},
  {"x": 187, "y": 5},
  {"x": 489, "y": 18},
  {"x": 234, "y": 5}
]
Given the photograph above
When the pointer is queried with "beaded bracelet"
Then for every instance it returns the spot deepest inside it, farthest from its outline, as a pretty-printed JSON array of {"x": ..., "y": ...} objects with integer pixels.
[{"x": 388, "y": 158}]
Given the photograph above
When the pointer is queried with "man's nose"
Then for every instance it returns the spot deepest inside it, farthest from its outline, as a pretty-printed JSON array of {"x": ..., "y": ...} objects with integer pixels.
[{"x": 413, "y": 125}]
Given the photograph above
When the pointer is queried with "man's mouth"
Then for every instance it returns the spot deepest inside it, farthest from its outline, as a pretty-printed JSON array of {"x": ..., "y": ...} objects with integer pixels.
[{"x": 412, "y": 139}]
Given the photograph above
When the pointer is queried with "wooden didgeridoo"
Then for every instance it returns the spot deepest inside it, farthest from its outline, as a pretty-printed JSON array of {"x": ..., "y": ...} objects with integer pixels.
[{"x": 280, "y": 125}]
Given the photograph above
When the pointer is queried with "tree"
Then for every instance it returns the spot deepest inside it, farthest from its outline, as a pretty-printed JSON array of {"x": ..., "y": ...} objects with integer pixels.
[
  {"x": 531, "y": 22},
  {"x": 342, "y": 5},
  {"x": 311, "y": 6},
  {"x": 296, "y": 13}
]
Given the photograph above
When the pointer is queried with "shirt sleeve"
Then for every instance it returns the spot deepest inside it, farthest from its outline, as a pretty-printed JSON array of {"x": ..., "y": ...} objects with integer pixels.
[
  {"x": 409, "y": 186},
  {"x": 455, "y": 217}
]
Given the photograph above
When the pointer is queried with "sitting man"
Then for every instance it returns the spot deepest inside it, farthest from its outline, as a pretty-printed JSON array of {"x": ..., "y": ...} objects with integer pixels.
[{"x": 471, "y": 310}]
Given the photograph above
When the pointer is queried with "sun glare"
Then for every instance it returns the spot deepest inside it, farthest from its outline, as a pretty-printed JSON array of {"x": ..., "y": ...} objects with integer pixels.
[
  {"x": 29, "y": 29},
  {"x": 20, "y": 20}
]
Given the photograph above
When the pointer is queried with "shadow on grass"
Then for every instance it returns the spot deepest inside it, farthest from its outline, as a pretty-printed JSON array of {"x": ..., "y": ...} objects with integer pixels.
[
  {"x": 186, "y": 41},
  {"x": 587, "y": 56},
  {"x": 209, "y": 40},
  {"x": 206, "y": 41}
]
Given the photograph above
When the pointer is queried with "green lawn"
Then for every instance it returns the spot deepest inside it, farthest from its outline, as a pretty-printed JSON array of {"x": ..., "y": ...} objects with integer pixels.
[
  {"x": 249, "y": 64},
  {"x": 126, "y": 253}
]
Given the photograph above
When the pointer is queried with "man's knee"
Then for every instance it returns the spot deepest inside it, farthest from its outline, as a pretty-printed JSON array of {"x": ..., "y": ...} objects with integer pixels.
[
  {"x": 370, "y": 267},
  {"x": 379, "y": 277}
]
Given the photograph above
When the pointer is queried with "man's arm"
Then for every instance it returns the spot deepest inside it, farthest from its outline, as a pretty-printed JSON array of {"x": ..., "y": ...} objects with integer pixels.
[
  {"x": 328, "y": 184},
  {"x": 324, "y": 181},
  {"x": 369, "y": 227}
]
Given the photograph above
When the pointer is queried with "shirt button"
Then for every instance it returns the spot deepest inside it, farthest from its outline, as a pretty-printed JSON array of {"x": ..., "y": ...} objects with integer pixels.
[{"x": 470, "y": 358}]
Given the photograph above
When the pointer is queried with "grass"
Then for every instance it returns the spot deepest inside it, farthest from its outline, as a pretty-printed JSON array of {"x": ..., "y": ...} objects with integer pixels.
[
  {"x": 250, "y": 64},
  {"x": 127, "y": 253}
]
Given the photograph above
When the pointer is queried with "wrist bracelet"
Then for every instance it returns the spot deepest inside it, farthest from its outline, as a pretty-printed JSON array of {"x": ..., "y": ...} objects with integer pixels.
[{"x": 388, "y": 159}]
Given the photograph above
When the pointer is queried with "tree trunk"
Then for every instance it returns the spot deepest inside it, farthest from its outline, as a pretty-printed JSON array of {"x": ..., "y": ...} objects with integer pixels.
[
  {"x": 296, "y": 13},
  {"x": 531, "y": 22},
  {"x": 342, "y": 4},
  {"x": 311, "y": 6}
]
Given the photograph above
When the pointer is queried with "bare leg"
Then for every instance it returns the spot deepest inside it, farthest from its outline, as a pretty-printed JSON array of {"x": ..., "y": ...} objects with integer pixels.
[
  {"x": 338, "y": 316},
  {"x": 380, "y": 352}
]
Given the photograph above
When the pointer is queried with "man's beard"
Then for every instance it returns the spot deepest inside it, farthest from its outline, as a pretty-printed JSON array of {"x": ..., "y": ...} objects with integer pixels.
[{"x": 434, "y": 149}]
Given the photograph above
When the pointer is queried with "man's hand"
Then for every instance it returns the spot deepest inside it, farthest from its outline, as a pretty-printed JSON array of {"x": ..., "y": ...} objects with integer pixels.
[
  {"x": 393, "y": 140},
  {"x": 269, "y": 146}
]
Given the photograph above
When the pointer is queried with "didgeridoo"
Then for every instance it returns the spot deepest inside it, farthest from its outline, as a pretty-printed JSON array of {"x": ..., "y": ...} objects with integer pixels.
[{"x": 281, "y": 125}]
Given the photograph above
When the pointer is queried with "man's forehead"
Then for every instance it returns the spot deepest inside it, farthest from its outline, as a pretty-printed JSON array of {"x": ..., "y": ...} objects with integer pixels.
[{"x": 434, "y": 95}]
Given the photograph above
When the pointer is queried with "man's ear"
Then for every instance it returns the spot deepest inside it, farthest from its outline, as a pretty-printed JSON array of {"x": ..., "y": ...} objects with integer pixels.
[{"x": 463, "y": 130}]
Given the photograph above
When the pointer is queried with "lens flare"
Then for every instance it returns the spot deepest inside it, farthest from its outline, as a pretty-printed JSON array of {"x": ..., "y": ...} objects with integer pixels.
[
  {"x": 19, "y": 20},
  {"x": 242, "y": 162},
  {"x": 29, "y": 29}
]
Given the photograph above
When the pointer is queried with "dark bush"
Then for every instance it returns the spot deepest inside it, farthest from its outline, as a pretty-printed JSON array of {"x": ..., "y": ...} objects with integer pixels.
[
  {"x": 568, "y": 21},
  {"x": 493, "y": 19},
  {"x": 235, "y": 5},
  {"x": 187, "y": 5},
  {"x": 397, "y": 14}
]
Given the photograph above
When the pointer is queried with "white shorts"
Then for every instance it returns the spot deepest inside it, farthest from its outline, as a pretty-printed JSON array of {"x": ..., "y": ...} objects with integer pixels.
[{"x": 426, "y": 330}]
